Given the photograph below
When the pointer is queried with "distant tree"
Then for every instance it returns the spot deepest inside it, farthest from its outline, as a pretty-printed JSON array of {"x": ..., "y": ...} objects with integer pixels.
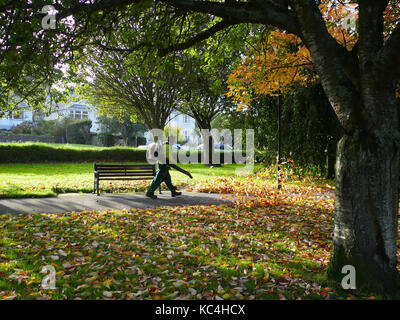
[
  {"x": 309, "y": 128},
  {"x": 174, "y": 130},
  {"x": 203, "y": 94},
  {"x": 125, "y": 85},
  {"x": 124, "y": 126}
]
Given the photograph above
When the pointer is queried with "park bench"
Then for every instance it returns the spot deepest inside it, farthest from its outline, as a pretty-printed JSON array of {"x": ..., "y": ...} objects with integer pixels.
[{"x": 122, "y": 172}]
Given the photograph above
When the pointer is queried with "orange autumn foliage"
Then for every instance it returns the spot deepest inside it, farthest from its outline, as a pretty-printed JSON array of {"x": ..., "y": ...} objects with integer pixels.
[{"x": 281, "y": 62}]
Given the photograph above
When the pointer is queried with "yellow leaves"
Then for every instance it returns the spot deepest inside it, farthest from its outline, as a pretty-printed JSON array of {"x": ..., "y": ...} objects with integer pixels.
[
  {"x": 91, "y": 279},
  {"x": 107, "y": 283},
  {"x": 276, "y": 65},
  {"x": 32, "y": 280}
]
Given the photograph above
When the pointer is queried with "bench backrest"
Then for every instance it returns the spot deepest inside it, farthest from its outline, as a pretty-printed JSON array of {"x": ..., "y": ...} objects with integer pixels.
[{"x": 109, "y": 171}]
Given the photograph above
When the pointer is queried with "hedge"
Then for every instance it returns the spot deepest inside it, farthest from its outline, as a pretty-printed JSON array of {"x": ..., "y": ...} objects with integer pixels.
[
  {"x": 36, "y": 152},
  {"x": 41, "y": 152}
]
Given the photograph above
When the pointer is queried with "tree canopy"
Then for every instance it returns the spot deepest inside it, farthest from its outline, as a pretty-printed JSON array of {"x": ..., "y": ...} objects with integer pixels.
[{"x": 359, "y": 81}]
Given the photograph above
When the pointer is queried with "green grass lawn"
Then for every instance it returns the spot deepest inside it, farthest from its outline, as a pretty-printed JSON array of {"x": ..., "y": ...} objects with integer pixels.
[
  {"x": 38, "y": 180},
  {"x": 46, "y": 179}
]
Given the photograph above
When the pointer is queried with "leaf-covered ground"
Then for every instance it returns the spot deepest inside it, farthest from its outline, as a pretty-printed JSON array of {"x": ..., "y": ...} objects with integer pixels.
[{"x": 265, "y": 245}]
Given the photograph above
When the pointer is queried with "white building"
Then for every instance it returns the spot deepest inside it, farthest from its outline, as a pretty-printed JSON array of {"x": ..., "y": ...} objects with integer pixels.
[
  {"x": 84, "y": 110},
  {"x": 77, "y": 110},
  {"x": 187, "y": 126},
  {"x": 15, "y": 119}
]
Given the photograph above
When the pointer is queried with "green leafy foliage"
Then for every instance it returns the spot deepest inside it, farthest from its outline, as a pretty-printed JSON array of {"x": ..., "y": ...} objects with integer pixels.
[
  {"x": 309, "y": 127},
  {"x": 22, "y": 128},
  {"x": 78, "y": 132},
  {"x": 124, "y": 126}
]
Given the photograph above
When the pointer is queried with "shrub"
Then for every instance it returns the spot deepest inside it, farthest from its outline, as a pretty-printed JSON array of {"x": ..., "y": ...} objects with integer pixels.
[
  {"x": 106, "y": 139},
  {"x": 141, "y": 141},
  {"x": 78, "y": 132},
  {"x": 5, "y": 133},
  {"x": 22, "y": 128},
  {"x": 41, "y": 152}
]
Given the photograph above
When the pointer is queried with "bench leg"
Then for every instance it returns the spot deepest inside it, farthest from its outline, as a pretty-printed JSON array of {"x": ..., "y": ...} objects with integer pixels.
[
  {"x": 159, "y": 189},
  {"x": 98, "y": 189}
]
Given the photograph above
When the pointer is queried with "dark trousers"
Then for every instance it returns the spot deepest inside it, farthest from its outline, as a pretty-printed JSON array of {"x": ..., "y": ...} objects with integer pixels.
[{"x": 162, "y": 175}]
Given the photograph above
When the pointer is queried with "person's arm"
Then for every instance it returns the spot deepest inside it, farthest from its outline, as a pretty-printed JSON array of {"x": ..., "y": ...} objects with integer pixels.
[{"x": 180, "y": 170}]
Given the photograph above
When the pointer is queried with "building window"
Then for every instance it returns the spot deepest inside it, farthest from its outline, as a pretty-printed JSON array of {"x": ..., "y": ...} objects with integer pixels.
[
  {"x": 186, "y": 133},
  {"x": 79, "y": 114},
  {"x": 76, "y": 114},
  {"x": 186, "y": 119}
]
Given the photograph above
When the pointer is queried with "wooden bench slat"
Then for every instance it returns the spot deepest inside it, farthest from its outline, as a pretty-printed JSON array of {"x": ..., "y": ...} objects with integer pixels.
[
  {"x": 127, "y": 166},
  {"x": 144, "y": 178},
  {"x": 125, "y": 175},
  {"x": 125, "y": 172}
]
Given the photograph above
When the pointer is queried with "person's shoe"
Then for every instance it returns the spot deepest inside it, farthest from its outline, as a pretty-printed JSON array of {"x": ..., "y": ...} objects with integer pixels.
[
  {"x": 175, "y": 193},
  {"x": 151, "y": 195}
]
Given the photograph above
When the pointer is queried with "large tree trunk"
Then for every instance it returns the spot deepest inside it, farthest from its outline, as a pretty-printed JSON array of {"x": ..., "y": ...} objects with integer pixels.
[
  {"x": 366, "y": 206},
  {"x": 361, "y": 91}
]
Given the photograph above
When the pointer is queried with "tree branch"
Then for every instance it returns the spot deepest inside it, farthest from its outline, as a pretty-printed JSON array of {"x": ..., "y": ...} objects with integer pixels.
[
  {"x": 243, "y": 12},
  {"x": 337, "y": 67},
  {"x": 196, "y": 39}
]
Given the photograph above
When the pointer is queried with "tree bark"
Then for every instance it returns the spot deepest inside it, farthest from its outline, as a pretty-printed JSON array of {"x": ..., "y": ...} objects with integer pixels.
[{"x": 367, "y": 203}]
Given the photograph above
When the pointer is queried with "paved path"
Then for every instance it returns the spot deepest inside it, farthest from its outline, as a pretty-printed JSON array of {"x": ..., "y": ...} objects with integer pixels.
[{"x": 85, "y": 202}]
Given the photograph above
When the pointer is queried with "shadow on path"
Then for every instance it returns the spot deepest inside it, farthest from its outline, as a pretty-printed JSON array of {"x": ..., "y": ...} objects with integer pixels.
[{"x": 85, "y": 202}]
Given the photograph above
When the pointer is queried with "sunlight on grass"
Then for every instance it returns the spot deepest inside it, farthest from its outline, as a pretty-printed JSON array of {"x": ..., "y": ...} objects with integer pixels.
[{"x": 17, "y": 180}]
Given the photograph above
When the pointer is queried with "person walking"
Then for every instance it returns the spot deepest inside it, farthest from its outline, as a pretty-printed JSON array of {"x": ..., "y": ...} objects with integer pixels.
[{"x": 160, "y": 152}]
